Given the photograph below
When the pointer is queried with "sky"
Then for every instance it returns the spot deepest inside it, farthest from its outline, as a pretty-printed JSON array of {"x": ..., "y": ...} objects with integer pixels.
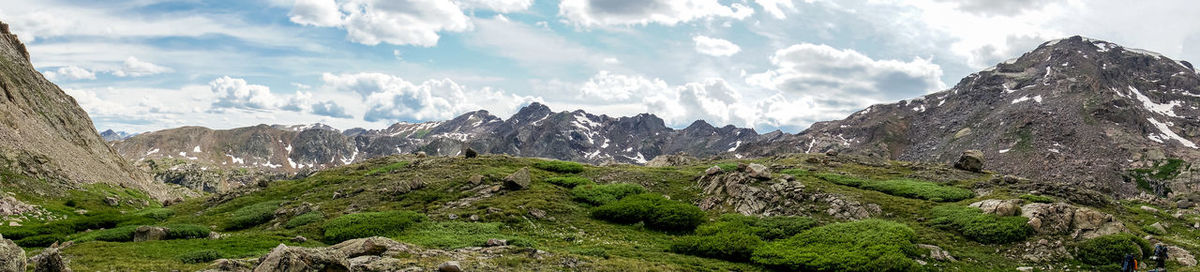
[{"x": 145, "y": 65}]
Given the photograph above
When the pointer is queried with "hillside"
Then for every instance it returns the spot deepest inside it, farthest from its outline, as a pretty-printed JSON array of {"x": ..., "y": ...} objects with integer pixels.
[
  {"x": 46, "y": 137},
  {"x": 1075, "y": 111},
  {"x": 443, "y": 209}
]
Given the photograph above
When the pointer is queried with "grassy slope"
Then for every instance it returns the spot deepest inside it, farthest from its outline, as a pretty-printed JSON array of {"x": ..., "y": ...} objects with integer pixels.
[{"x": 567, "y": 230}]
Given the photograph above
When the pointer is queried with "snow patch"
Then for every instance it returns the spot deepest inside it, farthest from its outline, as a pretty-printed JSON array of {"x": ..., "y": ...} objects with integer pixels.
[
  {"x": 152, "y": 151},
  {"x": 236, "y": 159},
  {"x": 735, "y": 146},
  {"x": 1164, "y": 109},
  {"x": 1037, "y": 99},
  {"x": 1002, "y": 151},
  {"x": 196, "y": 149},
  {"x": 1168, "y": 134}
]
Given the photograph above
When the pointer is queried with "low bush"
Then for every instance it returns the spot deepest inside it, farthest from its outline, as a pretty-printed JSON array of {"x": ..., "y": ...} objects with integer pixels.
[
  {"x": 252, "y": 215},
  {"x": 559, "y": 166},
  {"x": 387, "y": 168},
  {"x": 1110, "y": 249},
  {"x": 730, "y": 246},
  {"x": 569, "y": 182},
  {"x": 361, "y": 225},
  {"x": 981, "y": 227},
  {"x": 43, "y": 240},
  {"x": 304, "y": 219},
  {"x": 656, "y": 211},
  {"x": 603, "y": 194},
  {"x": 201, "y": 256},
  {"x": 727, "y": 167},
  {"x": 156, "y": 214},
  {"x": 453, "y": 234},
  {"x": 118, "y": 234},
  {"x": 186, "y": 231},
  {"x": 866, "y": 245},
  {"x": 903, "y": 187},
  {"x": 1037, "y": 198}
]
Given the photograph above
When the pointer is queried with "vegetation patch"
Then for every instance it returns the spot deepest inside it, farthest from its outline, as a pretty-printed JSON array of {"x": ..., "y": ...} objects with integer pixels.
[
  {"x": 453, "y": 234},
  {"x": 734, "y": 237},
  {"x": 200, "y": 256},
  {"x": 186, "y": 231},
  {"x": 304, "y": 219},
  {"x": 1037, "y": 198},
  {"x": 656, "y": 211},
  {"x": 981, "y": 227},
  {"x": 362, "y": 225},
  {"x": 866, "y": 245},
  {"x": 388, "y": 168},
  {"x": 604, "y": 194},
  {"x": 559, "y": 166},
  {"x": 1110, "y": 249},
  {"x": 569, "y": 182},
  {"x": 252, "y": 215},
  {"x": 903, "y": 188}
]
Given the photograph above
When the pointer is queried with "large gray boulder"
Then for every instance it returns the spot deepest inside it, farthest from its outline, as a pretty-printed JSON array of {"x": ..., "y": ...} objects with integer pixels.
[
  {"x": 1064, "y": 219},
  {"x": 758, "y": 171},
  {"x": 149, "y": 233},
  {"x": 518, "y": 180},
  {"x": 1001, "y": 207},
  {"x": 971, "y": 160},
  {"x": 12, "y": 257},
  {"x": 298, "y": 259},
  {"x": 50, "y": 260}
]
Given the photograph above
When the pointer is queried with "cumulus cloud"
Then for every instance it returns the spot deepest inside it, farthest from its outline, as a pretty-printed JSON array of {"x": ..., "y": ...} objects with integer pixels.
[
  {"x": 400, "y": 22},
  {"x": 132, "y": 67},
  {"x": 69, "y": 73},
  {"x": 999, "y": 8},
  {"x": 608, "y": 86},
  {"x": 711, "y": 99},
  {"x": 776, "y": 7},
  {"x": 391, "y": 98},
  {"x": 331, "y": 109},
  {"x": 715, "y": 46},
  {"x": 830, "y": 83},
  {"x": 591, "y": 13},
  {"x": 235, "y": 93}
]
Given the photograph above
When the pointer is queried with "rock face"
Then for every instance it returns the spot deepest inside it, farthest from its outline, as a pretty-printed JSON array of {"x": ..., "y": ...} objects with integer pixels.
[
  {"x": 971, "y": 160},
  {"x": 671, "y": 160},
  {"x": 12, "y": 257},
  {"x": 298, "y": 259},
  {"x": 1064, "y": 219},
  {"x": 518, "y": 180},
  {"x": 11, "y": 206},
  {"x": 149, "y": 233},
  {"x": 737, "y": 191},
  {"x": 1078, "y": 111},
  {"x": 44, "y": 134},
  {"x": 1181, "y": 256}
]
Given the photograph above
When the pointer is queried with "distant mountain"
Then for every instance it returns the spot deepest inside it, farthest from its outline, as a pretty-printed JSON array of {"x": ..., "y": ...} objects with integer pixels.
[
  {"x": 110, "y": 135},
  {"x": 45, "y": 135},
  {"x": 1075, "y": 111}
]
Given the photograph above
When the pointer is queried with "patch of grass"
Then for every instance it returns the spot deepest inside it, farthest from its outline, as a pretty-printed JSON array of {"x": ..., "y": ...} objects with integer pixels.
[
  {"x": 1037, "y": 198},
  {"x": 252, "y": 215},
  {"x": 200, "y": 256},
  {"x": 453, "y": 234},
  {"x": 388, "y": 168},
  {"x": 734, "y": 237},
  {"x": 43, "y": 240},
  {"x": 156, "y": 214},
  {"x": 728, "y": 166},
  {"x": 118, "y": 234},
  {"x": 569, "y": 182},
  {"x": 980, "y": 227},
  {"x": 654, "y": 210},
  {"x": 1110, "y": 249},
  {"x": 795, "y": 172},
  {"x": 732, "y": 246},
  {"x": 604, "y": 194},
  {"x": 304, "y": 219},
  {"x": 909, "y": 188},
  {"x": 866, "y": 245},
  {"x": 186, "y": 231},
  {"x": 362, "y": 225},
  {"x": 559, "y": 166}
]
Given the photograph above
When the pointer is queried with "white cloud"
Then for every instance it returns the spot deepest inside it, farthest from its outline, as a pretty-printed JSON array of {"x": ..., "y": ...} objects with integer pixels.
[
  {"x": 391, "y": 98},
  {"x": 132, "y": 67},
  {"x": 534, "y": 47},
  {"x": 331, "y": 109},
  {"x": 589, "y": 13},
  {"x": 69, "y": 73},
  {"x": 503, "y": 6},
  {"x": 608, "y": 86},
  {"x": 316, "y": 13},
  {"x": 776, "y": 7},
  {"x": 715, "y": 46},
  {"x": 235, "y": 93},
  {"x": 711, "y": 99}
]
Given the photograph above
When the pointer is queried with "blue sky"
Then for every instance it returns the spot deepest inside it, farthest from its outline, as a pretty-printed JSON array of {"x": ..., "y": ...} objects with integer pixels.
[{"x": 145, "y": 65}]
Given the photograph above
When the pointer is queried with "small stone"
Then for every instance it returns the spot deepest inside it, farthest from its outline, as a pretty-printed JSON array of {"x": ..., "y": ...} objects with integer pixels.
[
  {"x": 495, "y": 243},
  {"x": 112, "y": 201},
  {"x": 1025, "y": 269},
  {"x": 786, "y": 177},
  {"x": 299, "y": 239},
  {"x": 518, "y": 180},
  {"x": 149, "y": 233},
  {"x": 476, "y": 179},
  {"x": 450, "y": 266},
  {"x": 452, "y": 216},
  {"x": 421, "y": 154},
  {"x": 831, "y": 153},
  {"x": 713, "y": 170},
  {"x": 473, "y": 218},
  {"x": 1149, "y": 209},
  {"x": 537, "y": 213}
]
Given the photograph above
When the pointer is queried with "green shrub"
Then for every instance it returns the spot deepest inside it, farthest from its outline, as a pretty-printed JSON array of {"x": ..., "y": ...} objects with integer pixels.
[
  {"x": 201, "y": 256},
  {"x": 603, "y": 194},
  {"x": 1037, "y": 198},
  {"x": 981, "y": 227},
  {"x": 387, "y": 168},
  {"x": 361, "y": 225},
  {"x": 1110, "y": 249},
  {"x": 780, "y": 227},
  {"x": 569, "y": 182},
  {"x": 654, "y": 210},
  {"x": 186, "y": 231},
  {"x": 304, "y": 219},
  {"x": 866, "y": 245},
  {"x": 795, "y": 172},
  {"x": 252, "y": 215},
  {"x": 559, "y": 166},
  {"x": 16, "y": 233},
  {"x": 156, "y": 214},
  {"x": 118, "y": 234},
  {"x": 903, "y": 187},
  {"x": 731, "y": 246},
  {"x": 43, "y": 240},
  {"x": 522, "y": 242},
  {"x": 71, "y": 203}
]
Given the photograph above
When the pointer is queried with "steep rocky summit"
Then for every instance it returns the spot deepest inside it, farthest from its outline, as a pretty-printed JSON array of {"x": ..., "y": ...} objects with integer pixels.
[{"x": 44, "y": 134}]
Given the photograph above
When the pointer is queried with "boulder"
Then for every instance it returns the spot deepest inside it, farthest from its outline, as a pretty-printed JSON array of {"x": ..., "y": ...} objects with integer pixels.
[
  {"x": 470, "y": 153},
  {"x": 1181, "y": 256},
  {"x": 149, "y": 233},
  {"x": 713, "y": 170},
  {"x": 50, "y": 260},
  {"x": 1183, "y": 204},
  {"x": 450, "y": 266},
  {"x": 1063, "y": 219},
  {"x": 1158, "y": 227},
  {"x": 299, "y": 239},
  {"x": 230, "y": 265},
  {"x": 1090, "y": 224},
  {"x": 1149, "y": 209},
  {"x": 112, "y": 201},
  {"x": 671, "y": 160},
  {"x": 297, "y": 259},
  {"x": 758, "y": 171},
  {"x": 495, "y": 243},
  {"x": 1001, "y": 207},
  {"x": 971, "y": 160},
  {"x": 421, "y": 154},
  {"x": 475, "y": 179},
  {"x": 937, "y": 253},
  {"x": 11, "y": 206},
  {"x": 518, "y": 180},
  {"x": 371, "y": 246},
  {"x": 12, "y": 257}
]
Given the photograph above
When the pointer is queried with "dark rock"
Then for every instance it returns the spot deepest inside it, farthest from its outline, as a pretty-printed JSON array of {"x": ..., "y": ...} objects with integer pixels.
[
  {"x": 971, "y": 160},
  {"x": 713, "y": 170},
  {"x": 299, "y": 239},
  {"x": 470, "y": 153},
  {"x": 50, "y": 260},
  {"x": 112, "y": 201},
  {"x": 518, "y": 180},
  {"x": 449, "y": 266}
]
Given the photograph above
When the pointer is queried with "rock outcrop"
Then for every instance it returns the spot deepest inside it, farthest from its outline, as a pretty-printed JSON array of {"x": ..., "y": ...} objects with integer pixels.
[
  {"x": 149, "y": 233},
  {"x": 12, "y": 257},
  {"x": 1001, "y": 207},
  {"x": 740, "y": 192},
  {"x": 971, "y": 160},
  {"x": 518, "y": 180},
  {"x": 1065, "y": 219},
  {"x": 50, "y": 260},
  {"x": 374, "y": 254}
]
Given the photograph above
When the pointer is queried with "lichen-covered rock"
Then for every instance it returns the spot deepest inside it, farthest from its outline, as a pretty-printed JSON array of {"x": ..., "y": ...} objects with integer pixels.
[
  {"x": 758, "y": 171},
  {"x": 1001, "y": 207},
  {"x": 149, "y": 233},
  {"x": 374, "y": 246},
  {"x": 1181, "y": 256},
  {"x": 518, "y": 180},
  {"x": 450, "y": 266},
  {"x": 50, "y": 260},
  {"x": 713, "y": 170},
  {"x": 298, "y": 259},
  {"x": 738, "y": 192},
  {"x": 970, "y": 160},
  {"x": 671, "y": 160},
  {"x": 12, "y": 257},
  {"x": 1065, "y": 219},
  {"x": 11, "y": 206},
  {"x": 937, "y": 253}
]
